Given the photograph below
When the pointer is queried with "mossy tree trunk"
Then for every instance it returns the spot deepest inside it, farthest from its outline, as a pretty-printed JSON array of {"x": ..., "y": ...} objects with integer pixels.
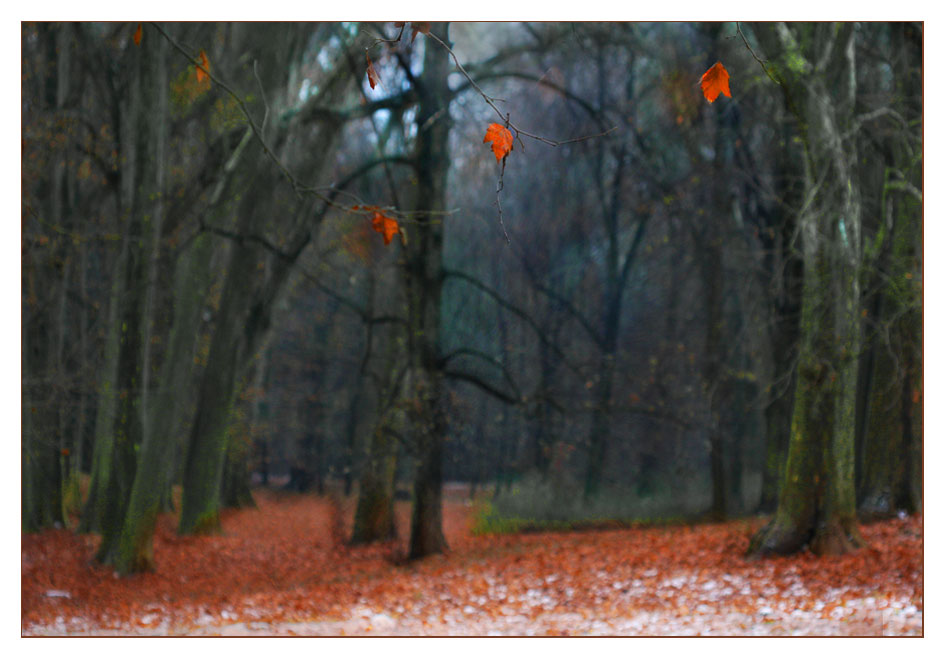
[
  {"x": 209, "y": 436},
  {"x": 257, "y": 269},
  {"x": 144, "y": 137},
  {"x": 816, "y": 506},
  {"x": 159, "y": 448}
]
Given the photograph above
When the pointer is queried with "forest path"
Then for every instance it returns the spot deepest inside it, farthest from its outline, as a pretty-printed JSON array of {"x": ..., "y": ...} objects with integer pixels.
[{"x": 283, "y": 569}]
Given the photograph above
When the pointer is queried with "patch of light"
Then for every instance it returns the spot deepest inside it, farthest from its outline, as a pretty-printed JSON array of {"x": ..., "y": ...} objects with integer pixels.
[{"x": 382, "y": 116}]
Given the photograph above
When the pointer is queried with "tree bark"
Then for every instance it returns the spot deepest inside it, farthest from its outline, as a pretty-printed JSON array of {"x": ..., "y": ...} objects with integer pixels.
[
  {"x": 816, "y": 502},
  {"x": 374, "y": 515},
  {"x": 424, "y": 281}
]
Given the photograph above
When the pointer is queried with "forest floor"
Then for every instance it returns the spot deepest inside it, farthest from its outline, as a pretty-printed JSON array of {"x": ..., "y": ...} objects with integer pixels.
[{"x": 284, "y": 569}]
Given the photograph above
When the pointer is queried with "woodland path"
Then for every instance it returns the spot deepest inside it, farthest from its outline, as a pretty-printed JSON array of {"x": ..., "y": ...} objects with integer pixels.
[{"x": 283, "y": 569}]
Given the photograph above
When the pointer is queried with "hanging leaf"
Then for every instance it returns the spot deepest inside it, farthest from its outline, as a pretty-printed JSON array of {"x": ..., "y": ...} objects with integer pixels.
[
  {"x": 385, "y": 226},
  {"x": 204, "y": 67},
  {"x": 714, "y": 81},
  {"x": 138, "y": 35},
  {"x": 373, "y": 77},
  {"x": 501, "y": 139}
]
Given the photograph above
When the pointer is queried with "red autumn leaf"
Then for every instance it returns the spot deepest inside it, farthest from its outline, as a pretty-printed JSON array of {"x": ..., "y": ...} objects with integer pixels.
[
  {"x": 385, "y": 226},
  {"x": 204, "y": 67},
  {"x": 714, "y": 81},
  {"x": 501, "y": 139},
  {"x": 138, "y": 35},
  {"x": 373, "y": 77}
]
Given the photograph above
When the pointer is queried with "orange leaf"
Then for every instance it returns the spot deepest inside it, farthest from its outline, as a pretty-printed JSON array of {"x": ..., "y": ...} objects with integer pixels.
[
  {"x": 501, "y": 139},
  {"x": 714, "y": 81},
  {"x": 138, "y": 35},
  {"x": 204, "y": 67},
  {"x": 373, "y": 77},
  {"x": 385, "y": 226}
]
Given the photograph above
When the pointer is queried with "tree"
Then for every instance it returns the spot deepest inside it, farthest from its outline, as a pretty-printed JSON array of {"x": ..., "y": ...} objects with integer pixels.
[
  {"x": 423, "y": 283},
  {"x": 816, "y": 501}
]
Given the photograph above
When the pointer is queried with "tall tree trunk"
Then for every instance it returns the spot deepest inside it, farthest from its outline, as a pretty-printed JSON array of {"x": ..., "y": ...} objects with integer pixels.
[
  {"x": 207, "y": 446},
  {"x": 159, "y": 448},
  {"x": 424, "y": 281},
  {"x": 713, "y": 356},
  {"x": 816, "y": 502},
  {"x": 143, "y": 137},
  {"x": 374, "y": 514},
  {"x": 43, "y": 338},
  {"x": 783, "y": 281},
  {"x": 255, "y": 277}
]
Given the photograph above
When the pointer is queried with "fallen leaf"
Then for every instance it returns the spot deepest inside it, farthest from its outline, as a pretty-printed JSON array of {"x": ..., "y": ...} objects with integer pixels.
[
  {"x": 138, "y": 35},
  {"x": 590, "y": 581},
  {"x": 373, "y": 77},
  {"x": 501, "y": 139},
  {"x": 714, "y": 81}
]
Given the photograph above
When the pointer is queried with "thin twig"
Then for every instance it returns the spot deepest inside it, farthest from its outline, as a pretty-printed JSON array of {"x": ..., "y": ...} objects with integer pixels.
[
  {"x": 756, "y": 57},
  {"x": 491, "y": 102},
  {"x": 236, "y": 97},
  {"x": 262, "y": 93},
  {"x": 499, "y": 205}
]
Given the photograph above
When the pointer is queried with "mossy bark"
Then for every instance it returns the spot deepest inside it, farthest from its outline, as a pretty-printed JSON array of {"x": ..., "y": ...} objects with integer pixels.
[
  {"x": 143, "y": 134},
  {"x": 255, "y": 277},
  {"x": 158, "y": 450},
  {"x": 817, "y": 500}
]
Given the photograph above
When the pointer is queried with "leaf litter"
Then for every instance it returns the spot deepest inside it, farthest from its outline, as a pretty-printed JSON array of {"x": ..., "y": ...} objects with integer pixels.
[{"x": 284, "y": 569}]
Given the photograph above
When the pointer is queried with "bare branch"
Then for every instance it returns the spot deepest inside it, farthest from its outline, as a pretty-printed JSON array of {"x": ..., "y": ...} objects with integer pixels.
[
  {"x": 502, "y": 302},
  {"x": 236, "y": 97},
  {"x": 491, "y": 102},
  {"x": 486, "y": 358},
  {"x": 483, "y": 385}
]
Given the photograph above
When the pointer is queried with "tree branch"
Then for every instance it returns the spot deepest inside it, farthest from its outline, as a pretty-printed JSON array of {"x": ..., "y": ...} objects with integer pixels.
[
  {"x": 486, "y": 387},
  {"x": 502, "y": 302}
]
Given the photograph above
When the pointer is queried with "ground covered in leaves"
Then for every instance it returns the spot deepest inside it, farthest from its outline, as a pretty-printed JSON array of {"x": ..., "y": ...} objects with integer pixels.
[{"x": 284, "y": 569}]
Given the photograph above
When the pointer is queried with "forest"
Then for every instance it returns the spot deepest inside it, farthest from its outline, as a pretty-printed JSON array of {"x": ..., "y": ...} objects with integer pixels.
[{"x": 426, "y": 328}]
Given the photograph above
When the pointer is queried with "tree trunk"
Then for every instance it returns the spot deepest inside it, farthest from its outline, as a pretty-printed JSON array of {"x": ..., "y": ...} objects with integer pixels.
[
  {"x": 158, "y": 450},
  {"x": 424, "y": 280},
  {"x": 255, "y": 277},
  {"x": 816, "y": 502},
  {"x": 144, "y": 134},
  {"x": 374, "y": 515}
]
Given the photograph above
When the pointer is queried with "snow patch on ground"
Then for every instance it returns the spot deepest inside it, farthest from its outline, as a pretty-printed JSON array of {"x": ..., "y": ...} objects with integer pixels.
[{"x": 862, "y": 616}]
